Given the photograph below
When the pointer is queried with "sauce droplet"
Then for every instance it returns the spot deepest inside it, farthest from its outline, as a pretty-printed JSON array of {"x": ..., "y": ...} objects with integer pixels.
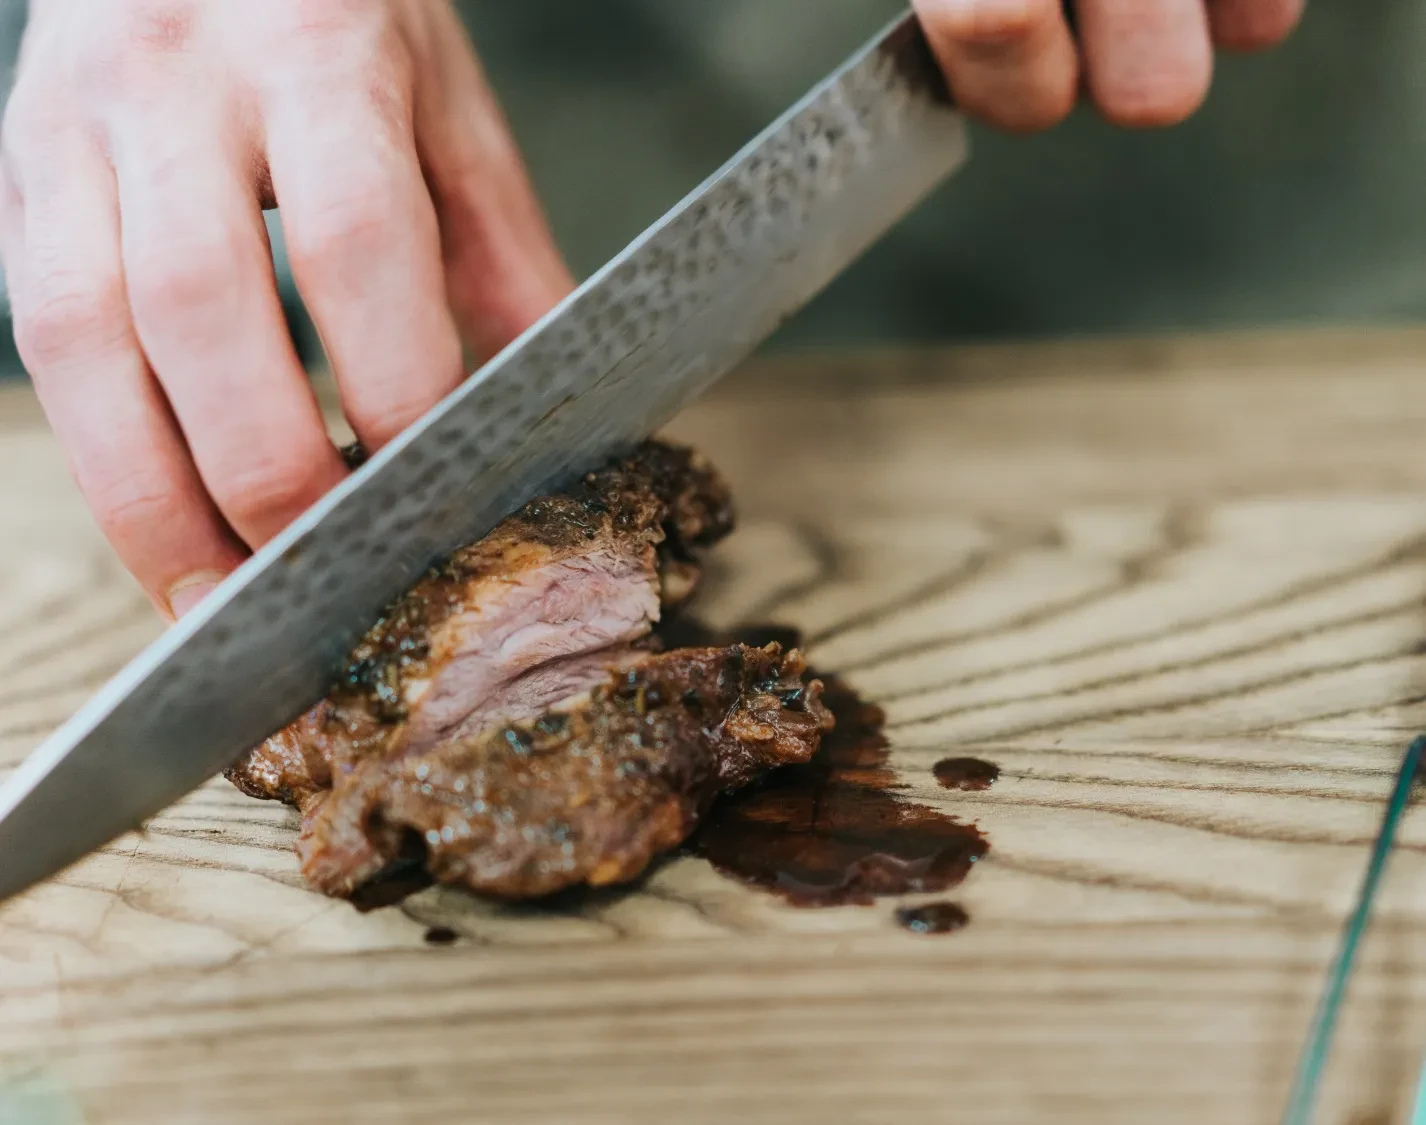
[
  {"x": 834, "y": 831},
  {"x": 441, "y": 935},
  {"x": 965, "y": 773},
  {"x": 403, "y": 878},
  {"x": 932, "y": 918}
]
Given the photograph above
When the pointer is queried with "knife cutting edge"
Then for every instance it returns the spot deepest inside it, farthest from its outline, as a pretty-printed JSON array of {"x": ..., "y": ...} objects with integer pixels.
[
  {"x": 1313, "y": 1060},
  {"x": 633, "y": 345}
]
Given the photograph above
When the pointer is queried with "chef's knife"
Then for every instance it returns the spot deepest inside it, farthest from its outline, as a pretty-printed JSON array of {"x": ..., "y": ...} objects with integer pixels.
[{"x": 687, "y": 300}]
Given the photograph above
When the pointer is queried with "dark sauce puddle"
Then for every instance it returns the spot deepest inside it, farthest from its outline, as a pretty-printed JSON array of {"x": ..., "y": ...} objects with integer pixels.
[
  {"x": 404, "y": 878},
  {"x": 827, "y": 833},
  {"x": 932, "y": 918},
  {"x": 833, "y": 831},
  {"x": 965, "y": 773}
]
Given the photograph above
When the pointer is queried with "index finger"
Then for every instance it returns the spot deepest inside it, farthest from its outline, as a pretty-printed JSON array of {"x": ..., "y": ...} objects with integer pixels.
[{"x": 77, "y": 339}]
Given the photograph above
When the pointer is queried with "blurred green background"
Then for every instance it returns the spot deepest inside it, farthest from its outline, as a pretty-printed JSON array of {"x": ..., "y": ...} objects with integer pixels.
[{"x": 1294, "y": 196}]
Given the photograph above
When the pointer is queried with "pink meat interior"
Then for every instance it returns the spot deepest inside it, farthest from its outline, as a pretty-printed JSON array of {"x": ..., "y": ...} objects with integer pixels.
[{"x": 509, "y": 656}]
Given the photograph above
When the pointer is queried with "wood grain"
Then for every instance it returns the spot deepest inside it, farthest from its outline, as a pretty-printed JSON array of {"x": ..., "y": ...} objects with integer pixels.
[{"x": 1173, "y": 587}]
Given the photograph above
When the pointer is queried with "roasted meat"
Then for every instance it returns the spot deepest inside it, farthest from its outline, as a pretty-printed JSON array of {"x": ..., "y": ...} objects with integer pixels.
[
  {"x": 589, "y": 792},
  {"x": 511, "y": 624},
  {"x": 510, "y": 722}
]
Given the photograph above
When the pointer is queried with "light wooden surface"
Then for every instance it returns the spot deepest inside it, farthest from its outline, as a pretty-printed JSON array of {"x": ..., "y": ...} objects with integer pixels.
[{"x": 1174, "y": 588}]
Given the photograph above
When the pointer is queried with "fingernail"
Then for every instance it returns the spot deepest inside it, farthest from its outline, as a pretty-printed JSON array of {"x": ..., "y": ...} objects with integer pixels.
[{"x": 187, "y": 592}]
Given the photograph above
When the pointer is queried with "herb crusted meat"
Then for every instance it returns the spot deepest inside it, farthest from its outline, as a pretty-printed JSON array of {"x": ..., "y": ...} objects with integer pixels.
[
  {"x": 487, "y": 633},
  {"x": 510, "y": 714},
  {"x": 589, "y": 792}
]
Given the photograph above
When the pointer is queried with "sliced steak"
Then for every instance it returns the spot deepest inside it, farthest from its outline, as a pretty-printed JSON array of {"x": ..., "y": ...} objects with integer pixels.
[
  {"x": 589, "y": 792},
  {"x": 532, "y": 613}
]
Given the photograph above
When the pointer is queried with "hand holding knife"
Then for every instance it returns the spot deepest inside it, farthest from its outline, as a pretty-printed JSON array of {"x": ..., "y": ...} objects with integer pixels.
[
  {"x": 641, "y": 339},
  {"x": 618, "y": 358},
  {"x": 688, "y": 299}
]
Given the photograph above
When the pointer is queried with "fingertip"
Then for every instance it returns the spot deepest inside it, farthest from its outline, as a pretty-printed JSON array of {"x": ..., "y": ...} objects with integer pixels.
[
  {"x": 1253, "y": 25},
  {"x": 1032, "y": 111},
  {"x": 1150, "y": 107},
  {"x": 1147, "y": 70},
  {"x": 1009, "y": 63}
]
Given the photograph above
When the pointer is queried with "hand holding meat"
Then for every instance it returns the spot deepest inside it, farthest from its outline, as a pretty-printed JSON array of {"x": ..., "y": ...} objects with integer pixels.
[{"x": 141, "y": 142}]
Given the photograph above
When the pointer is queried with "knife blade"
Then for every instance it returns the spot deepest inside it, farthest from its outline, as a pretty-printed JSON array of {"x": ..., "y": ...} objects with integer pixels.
[{"x": 638, "y": 341}]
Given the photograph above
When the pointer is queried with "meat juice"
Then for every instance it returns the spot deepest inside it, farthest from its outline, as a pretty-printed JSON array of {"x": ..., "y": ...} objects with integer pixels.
[
  {"x": 966, "y": 774},
  {"x": 834, "y": 830}
]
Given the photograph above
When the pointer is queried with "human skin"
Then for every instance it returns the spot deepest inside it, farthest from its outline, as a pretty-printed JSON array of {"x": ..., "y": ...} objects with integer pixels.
[
  {"x": 1142, "y": 63},
  {"x": 144, "y": 138}
]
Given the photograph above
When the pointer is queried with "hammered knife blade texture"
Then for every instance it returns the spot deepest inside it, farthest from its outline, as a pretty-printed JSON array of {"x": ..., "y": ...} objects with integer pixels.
[{"x": 681, "y": 305}]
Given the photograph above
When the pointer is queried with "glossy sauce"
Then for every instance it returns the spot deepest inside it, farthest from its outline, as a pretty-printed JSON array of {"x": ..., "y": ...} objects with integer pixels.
[
  {"x": 834, "y": 831},
  {"x": 932, "y": 918},
  {"x": 965, "y": 773},
  {"x": 404, "y": 878}
]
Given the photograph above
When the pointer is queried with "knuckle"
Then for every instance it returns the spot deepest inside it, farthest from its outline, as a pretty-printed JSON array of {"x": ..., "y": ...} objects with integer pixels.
[
  {"x": 272, "y": 487},
  {"x": 115, "y": 54},
  {"x": 123, "y": 54},
  {"x": 344, "y": 58},
  {"x": 173, "y": 284},
  {"x": 328, "y": 37},
  {"x": 160, "y": 27},
  {"x": 129, "y": 506},
  {"x": 346, "y": 226},
  {"x": 68, "y": 313},
  {"x": 34, "y": 115},
  {"x": 321, "y": 18}
]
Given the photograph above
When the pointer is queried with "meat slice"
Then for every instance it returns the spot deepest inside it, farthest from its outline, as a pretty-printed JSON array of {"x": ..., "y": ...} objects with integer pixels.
[
  {"x": 588, "y": 792},
  {"x": 532, "y": 613},
  {"x": 509, "y": 722}
]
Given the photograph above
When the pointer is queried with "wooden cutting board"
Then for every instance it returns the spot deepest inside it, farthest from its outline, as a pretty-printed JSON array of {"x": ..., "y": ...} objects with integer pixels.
[{"x": 1173, "y": 587}]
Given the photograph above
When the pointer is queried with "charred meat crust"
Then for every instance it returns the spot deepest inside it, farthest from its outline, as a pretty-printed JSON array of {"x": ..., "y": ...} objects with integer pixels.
[
  {"x": 660, "y": 495},
  {"x": 661, "y": 498},
  {"x": 588, "y": 793},
  {"x": 293, "y": 764}
]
